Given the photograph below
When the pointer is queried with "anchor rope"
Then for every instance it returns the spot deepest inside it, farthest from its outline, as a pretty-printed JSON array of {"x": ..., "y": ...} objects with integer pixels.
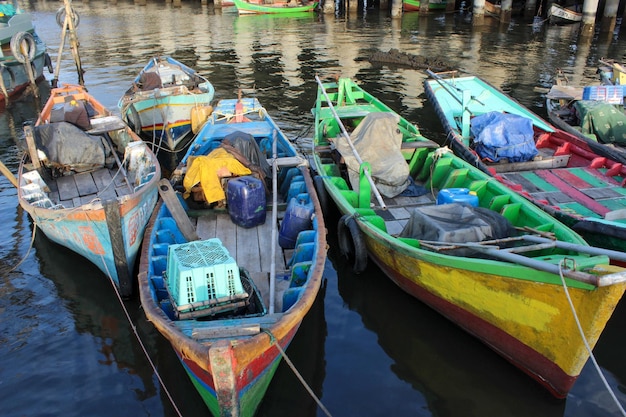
[
  {"x": 584, "y": 339},
  {"x": 143, "y": 347},
  {"x": 296, "y": 373}
]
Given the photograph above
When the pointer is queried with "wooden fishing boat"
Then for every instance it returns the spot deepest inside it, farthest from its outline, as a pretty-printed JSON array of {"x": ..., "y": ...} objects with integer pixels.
[
  {"x": 167, "y": 103},
  {"x": 558, "y": 171},
  {"x": 560, "y": 15},
  {"x": 414, "y": 5},
  {"x": 79, "y": 191},
  {"x": 24, "y": 55},
  {"x": 412, "y": 208},
  {"x": 594, "y": 113},
  {"x": 230, "y": 332},
  {"x": 280, "y": 7},
  {"x": 612, "y": 72}
]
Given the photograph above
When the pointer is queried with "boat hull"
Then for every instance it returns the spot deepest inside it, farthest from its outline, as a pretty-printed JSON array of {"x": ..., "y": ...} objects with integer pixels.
[
  {"x": 80, "y": 201},
  {"x": 561, "y": 16},
  {"x": 161, "y": 103},
  {"x": 515, "y": 305},
  {"x": 231, "y": 359},
  {"x": 86, "y": 231},
  {"x": 514, "y": 325},
  {"x": 566, "y": 192},
  {"x": 15, "y": 77},
  {"x": 173, "y": 113},
  {"x": 280, "y": 8},
  {"x": 414, "y": 5}
]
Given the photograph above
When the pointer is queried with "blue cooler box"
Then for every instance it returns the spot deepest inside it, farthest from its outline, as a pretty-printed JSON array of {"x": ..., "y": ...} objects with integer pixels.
[{"x": 246, "y": 201}]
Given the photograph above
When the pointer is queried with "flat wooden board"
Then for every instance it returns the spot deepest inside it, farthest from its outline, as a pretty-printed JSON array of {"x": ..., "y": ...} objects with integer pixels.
[
  {"x": 67, "y": 188},
  {"x": 85, "y": 184}
]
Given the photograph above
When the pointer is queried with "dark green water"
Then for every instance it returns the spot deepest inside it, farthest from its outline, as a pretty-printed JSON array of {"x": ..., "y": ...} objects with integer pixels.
[{"x": 367, "y": 349}]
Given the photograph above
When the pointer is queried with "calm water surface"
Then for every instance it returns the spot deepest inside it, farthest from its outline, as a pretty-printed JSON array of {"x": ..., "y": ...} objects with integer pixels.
[{"x": 367, "y": 349}]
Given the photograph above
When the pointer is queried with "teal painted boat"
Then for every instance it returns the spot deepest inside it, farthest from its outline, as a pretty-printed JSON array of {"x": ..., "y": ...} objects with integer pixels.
[
  {"x": 20, "y": 45},
  {"x": 76, "y": 188},
  {"x": 219, "y": 278},
  {"x": 418, "y": 211},
  {"x": 167, "y": 103},
  {"x": 280, "y": 7},
  {"x": 556, "y": 170}
]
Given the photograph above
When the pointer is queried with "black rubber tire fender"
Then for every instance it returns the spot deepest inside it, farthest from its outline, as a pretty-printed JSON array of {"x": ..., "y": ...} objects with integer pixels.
[
  {"x": 133, "y": 119},
  {"x": 351, "y": 243},
  {"x": 60, "y": 17},
  {"x": 23, "y": 47}
]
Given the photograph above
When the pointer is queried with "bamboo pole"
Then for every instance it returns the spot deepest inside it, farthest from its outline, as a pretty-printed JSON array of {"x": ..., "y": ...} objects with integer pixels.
[{"x": 354, "y": 151}]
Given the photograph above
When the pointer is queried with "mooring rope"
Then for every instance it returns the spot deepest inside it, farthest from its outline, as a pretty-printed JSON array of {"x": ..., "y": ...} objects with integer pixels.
[
  {"x": 582, "y": 335},
  {"x": 295, "y": 371},
  {"x": 143, "y": 348},
  {"x": 30, "y": 246}
]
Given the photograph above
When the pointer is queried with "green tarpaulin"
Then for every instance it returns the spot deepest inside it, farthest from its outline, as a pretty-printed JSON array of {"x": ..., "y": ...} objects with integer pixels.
[{"x": 606, "y": 121}]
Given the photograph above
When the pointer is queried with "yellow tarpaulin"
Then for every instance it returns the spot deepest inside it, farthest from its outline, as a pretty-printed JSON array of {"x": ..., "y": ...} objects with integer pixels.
[{"x": 204, "y": 170}]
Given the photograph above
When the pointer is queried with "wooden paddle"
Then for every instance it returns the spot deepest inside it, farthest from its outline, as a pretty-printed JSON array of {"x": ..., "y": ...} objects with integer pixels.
[{"x": 7, "y": 173}]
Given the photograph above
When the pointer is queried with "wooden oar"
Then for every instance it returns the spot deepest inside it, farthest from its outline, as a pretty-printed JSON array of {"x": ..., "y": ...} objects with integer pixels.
[
  {"x": 354, "y": 151},
  {"x": 173, "y": 204},
  {"x": 7, "y": 173}
]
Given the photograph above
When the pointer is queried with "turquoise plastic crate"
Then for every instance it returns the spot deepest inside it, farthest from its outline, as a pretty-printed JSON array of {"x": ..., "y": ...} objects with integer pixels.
[{"x": 200, "y": 272}]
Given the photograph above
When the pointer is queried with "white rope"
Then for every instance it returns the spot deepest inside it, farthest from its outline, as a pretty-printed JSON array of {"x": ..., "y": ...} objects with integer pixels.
[
  {"x": 582, "y": 335},
  {"x": 143, "y": 348},
  {"x": 32, "y": 239},
  {"x": 295, "y": 371}
]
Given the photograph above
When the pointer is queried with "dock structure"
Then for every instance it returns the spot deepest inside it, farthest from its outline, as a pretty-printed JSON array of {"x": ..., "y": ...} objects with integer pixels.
[{"x": 501, "y": 10}]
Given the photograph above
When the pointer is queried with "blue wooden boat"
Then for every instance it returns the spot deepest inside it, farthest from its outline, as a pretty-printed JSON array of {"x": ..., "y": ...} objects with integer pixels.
[
  {"x": 24, "y": 55},
  {"x": 76, "y": 188},
  {"x": 219, "y": 278},
  {"x": 556, "y": 170},
  {"x": 166, "y": 103}
]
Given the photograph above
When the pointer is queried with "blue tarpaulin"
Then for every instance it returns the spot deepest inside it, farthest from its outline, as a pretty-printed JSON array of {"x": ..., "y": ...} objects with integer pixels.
[{"x": 503, "y": 135}]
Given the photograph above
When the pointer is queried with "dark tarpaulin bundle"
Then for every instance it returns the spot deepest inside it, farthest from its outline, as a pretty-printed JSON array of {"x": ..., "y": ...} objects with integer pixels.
[
  {"x": 69, "y": 148},
  {"x": 500, "y": 136}
]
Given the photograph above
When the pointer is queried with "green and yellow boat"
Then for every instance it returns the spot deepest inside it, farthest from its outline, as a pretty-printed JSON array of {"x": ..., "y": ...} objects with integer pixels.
[{"x": 458, "y": 240}]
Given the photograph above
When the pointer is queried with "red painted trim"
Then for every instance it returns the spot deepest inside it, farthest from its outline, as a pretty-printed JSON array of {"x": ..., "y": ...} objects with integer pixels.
[{"x": 580, "y": 197}]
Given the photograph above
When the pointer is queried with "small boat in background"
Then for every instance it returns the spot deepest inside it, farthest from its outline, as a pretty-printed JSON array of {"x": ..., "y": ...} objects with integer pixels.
[
  {"x": 560, "y": 15},
  {"x": 167, "y": 103},
  {"x": 612, "y": 72},
  {"x": 449, "y": 235},
  {"x": 594, "y": 113},
  {"x": 558, "y": 171},
  {"x": 89, "y": 182},
  {"x": 232, "y": 262},
  {"x": 414, "y": 5},
  {"x": 24, "y": 55},
  {"x": 279, "y": 7}
]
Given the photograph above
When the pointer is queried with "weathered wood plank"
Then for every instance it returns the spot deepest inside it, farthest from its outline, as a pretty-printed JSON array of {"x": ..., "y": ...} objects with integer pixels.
[
  {"x": 226, "y": 231},
  {"x": 248, "y": 251},
  {"x": 85, "y": 184},
  {"x": 205, "y": 226},
  {"x": 103, "y": 179},
  {"x": 67, "y": 188}
]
